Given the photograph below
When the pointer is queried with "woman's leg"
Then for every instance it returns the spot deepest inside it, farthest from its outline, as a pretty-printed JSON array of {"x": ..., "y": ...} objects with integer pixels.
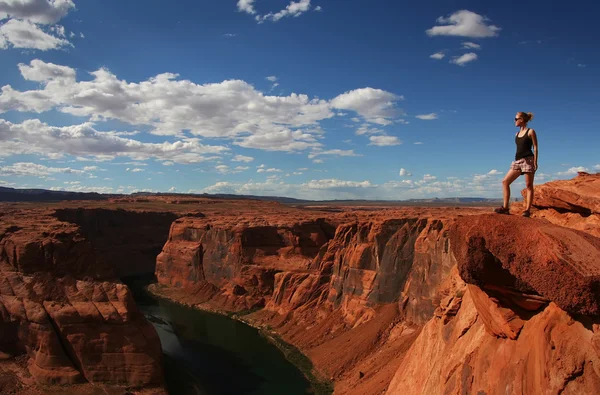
[
  {"x": 529, "y": 186},
  {"x": 508, "y": 179}
]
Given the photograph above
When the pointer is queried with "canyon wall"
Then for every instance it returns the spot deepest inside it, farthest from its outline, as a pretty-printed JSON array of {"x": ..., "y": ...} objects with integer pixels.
[
  {"x": 62, "y": 306},
  {"x": 454, "y": 291}
]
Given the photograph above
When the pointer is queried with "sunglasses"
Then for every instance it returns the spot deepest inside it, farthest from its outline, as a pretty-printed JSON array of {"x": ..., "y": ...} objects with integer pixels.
[{"x": 517, "y": 119}]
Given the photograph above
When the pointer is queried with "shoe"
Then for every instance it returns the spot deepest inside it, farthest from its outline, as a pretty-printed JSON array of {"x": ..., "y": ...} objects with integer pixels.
[
  {"x": 526, "y": 213},
  {"x": 502, "y": 210}
]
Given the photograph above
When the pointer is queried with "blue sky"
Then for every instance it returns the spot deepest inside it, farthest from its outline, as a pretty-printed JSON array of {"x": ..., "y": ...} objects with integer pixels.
[{"x": 313, "y": 99}]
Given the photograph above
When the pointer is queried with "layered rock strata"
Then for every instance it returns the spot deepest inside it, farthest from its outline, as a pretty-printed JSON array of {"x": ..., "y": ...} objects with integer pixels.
[
  {"x": 62, "y": 307},
  {"x": 409, "y": 301}
]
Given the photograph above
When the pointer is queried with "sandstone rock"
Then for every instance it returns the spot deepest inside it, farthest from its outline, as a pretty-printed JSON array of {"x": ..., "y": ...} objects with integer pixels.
[
  {"x": 56, "y": 311},
  {"x": 571, "y": 203},
  {"x": 550, "y": 356},
  {"x": 560, "y": 264}
]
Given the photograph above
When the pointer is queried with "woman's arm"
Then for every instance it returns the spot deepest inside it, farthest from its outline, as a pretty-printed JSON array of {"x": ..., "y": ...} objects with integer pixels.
[{"x": 535, "y": 147}]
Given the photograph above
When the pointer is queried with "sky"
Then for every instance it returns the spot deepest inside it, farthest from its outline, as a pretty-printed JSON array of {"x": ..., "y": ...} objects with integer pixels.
[{"x": 311, "y": 99}]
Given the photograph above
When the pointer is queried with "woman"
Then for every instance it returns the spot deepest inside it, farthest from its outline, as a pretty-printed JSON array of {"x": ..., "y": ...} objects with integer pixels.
[{"x": 526, "y": 162}]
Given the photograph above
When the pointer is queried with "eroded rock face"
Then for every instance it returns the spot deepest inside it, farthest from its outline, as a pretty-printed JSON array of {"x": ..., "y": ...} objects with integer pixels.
[
  {"x": 553, "y": 354},
  {"x": 239, "y": 262},
  {"x": 62, "y": 307},
  {"x": 571, "y": 203},
  {"x": 558, "y": 263}
]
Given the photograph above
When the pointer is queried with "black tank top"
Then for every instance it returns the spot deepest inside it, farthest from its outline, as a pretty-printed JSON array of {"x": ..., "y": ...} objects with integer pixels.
[{"x": 524, "y": 145}]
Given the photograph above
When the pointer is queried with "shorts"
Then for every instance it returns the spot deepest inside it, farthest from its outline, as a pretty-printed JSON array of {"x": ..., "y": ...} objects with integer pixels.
[{"x": 524, "y": 165}]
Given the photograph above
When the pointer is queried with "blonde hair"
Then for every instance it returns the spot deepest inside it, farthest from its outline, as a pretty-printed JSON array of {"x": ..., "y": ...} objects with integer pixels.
[{"x": 527, "y": 116}]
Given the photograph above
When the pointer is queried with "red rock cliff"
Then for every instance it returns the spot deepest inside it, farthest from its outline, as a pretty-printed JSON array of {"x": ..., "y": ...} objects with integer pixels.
[
  {"x": 382, "y": 304},
  {"x": 62, "y": 307}
]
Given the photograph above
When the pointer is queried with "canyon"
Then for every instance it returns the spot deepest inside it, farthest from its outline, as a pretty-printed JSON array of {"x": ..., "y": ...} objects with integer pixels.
[{"x": 381, "y": 299}]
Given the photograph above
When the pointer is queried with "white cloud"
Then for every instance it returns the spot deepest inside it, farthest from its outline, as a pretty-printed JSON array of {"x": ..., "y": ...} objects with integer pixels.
[
  {"x": 224, "y": 169},
  {"x": 464, "y": 23},
  {"x": 242, "y": 158},
  {"x": 597, "y": 167},
  {"x": 135, "y": 170},
  {"x": 366, "y": 129},
  {"x": 374, "y": 105},
  {"x": 229, "y": 34},
  {"x": 272, "y": 78},
  {"x": 384, "y": 141},
  {"x": 172, "y": 189},
  {"x": 337, "y": 184},
  {"x": 581, "y": 65},
  {"x": 246, "y": 6},
  {"x": 470, "y": 45},
  {"x": 294, "y": 9},
  {"x": 44, "y": 72},
  {"x": 25, "y": 34},
  {"x": 438, "y": 55},
  {"x": 306, "y": 168},
  {"x": 429, "y": 177},
  {"x": 38, "y": 11},
  {"x": 34, "y": 137},
  {"x": 35, "y": 170},
  {"x": 405, "y": 173},
  {"x": 418, "y": 143},
  {"x": 332, "y": 152},
  {"x": 427, "y": 117},
  {"x": 230, "y": 109},
  {"x": 318, "y": 8},
  {"x": 464, "y": 59},
  {"x": 318, "y": 161},
  {"x": 573, "y": 171},
  {"x": 269, "y": 170},
  {"x": 479, "y": 178},
  {"x": 241, "y": 168}
]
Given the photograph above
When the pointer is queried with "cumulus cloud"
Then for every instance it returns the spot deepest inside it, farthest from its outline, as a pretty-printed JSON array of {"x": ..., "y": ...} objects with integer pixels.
[
  {"x": 246, "y": 6},
  {"x": 25, "y": 34},
  {"x": 438, "y": 55},
  {"x": 37, "y": 11},
  {"x": 384, "y": 141},
  {"x": 464, "y": 59},
  {"x": 464, "y": 23},
  {"x": 470, "y": 45},
  {"x": 262, "y": 169},
  {"x": 36, "y": 170},
  {"x": 35, "y": 137},
  {"x": 597, "y": 167},
  {"x": 231, "y": 109},
  {"x": 429, "y": 177},
  {"x": 365, "y": 128},
  {"x": 405, "y": 173},
  {"x": 573, "y": 171},
  {"x": 479, "y": 178},
  {"x": 242, "y": 158},
  {"x": 294, "y": 9},
  {"x": 332, "y": 152},
  {"x": 318, "y": 8},
  {"x": 427, "y": 117},
  {"x": 333, "y": 183},
  {"x": 272, "y": 78},
  {"x": 374, "y": 105}
]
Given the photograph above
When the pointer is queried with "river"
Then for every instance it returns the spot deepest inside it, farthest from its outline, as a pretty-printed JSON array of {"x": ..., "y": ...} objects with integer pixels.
[{"x": 210, "y": 354}]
